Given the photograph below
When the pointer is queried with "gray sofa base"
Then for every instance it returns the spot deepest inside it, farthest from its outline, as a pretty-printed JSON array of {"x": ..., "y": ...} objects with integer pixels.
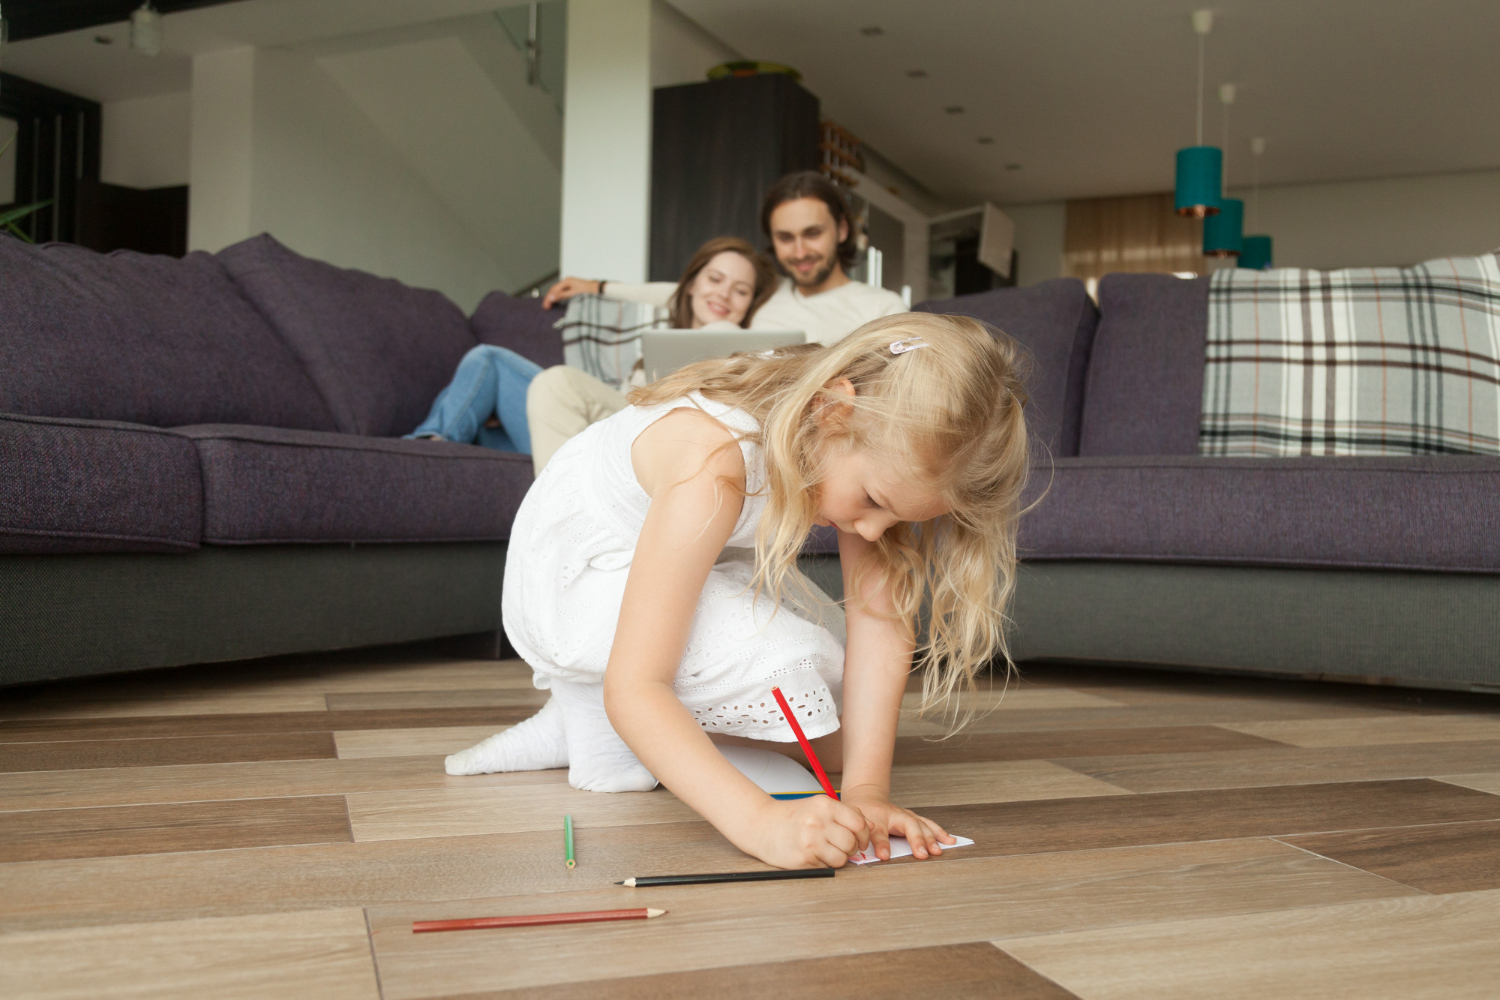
[
  {"x": 1427, "y": 630},
  {"x": 76, "y": 615}
]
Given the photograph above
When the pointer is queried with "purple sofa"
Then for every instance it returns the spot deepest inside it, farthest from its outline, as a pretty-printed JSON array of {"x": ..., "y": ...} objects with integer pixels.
[
  {"x": 200, "y": 459},
  {"x": 1140, "y": 551}
]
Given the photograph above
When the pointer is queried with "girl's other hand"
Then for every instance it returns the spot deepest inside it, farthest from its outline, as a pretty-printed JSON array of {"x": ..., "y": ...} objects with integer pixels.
[
  {"x": 925, "y": 836},
  {"x": 565, "y": 289},
  {"x": 816, "y": 832}
]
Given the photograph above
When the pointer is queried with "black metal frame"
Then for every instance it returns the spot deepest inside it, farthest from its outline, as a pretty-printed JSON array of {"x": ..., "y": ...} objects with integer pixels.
[
  {"x": 35, "y": 18},
  {"x": 57, "y": 145}
]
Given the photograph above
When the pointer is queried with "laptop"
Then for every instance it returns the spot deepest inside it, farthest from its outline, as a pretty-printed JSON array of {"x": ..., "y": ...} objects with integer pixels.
[{"x": 665, "y": 351}]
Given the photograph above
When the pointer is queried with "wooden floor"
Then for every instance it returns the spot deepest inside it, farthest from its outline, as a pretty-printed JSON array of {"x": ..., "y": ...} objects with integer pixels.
[{"x": 272, "y": 830}]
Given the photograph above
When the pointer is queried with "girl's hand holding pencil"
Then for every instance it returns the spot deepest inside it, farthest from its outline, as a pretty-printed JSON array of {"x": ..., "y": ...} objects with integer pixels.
[{"x": 815, "y": 832}]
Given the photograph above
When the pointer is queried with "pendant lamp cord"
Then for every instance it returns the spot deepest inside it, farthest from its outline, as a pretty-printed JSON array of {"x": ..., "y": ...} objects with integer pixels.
[
  {"x": 1226, "y": 150},
  {"x": 1200, "y": 89}
]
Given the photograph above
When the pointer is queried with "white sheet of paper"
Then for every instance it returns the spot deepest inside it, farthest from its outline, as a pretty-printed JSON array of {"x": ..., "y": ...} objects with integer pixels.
[
  {"x": 901, "y": 848},
  {"x": 773, "y": 772}
]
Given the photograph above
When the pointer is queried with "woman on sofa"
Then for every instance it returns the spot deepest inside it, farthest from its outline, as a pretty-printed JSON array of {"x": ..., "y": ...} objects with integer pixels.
[{"x": 724, "y": 284}]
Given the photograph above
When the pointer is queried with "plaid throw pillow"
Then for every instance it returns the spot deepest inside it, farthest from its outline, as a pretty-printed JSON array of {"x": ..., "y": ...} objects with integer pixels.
[
  {"x": 603, "y": 336},
  {"x": 1366, "y": 361}
]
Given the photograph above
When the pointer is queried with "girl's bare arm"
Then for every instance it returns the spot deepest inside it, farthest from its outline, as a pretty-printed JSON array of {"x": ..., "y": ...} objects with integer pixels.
[
  {"x": 877, "y": 664},
  {"x": 694, "y": 483}
]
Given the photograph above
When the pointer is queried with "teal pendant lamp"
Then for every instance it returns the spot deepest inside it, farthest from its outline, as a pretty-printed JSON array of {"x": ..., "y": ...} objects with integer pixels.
[
  {"x": 1199, "y": 168},
  {"x": 1198, "y": 171},
  {"x": 1223, "y": 234},
  {"x": 1255, "y": 253}
]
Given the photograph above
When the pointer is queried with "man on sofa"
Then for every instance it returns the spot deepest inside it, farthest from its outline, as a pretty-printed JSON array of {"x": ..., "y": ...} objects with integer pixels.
[{"x": 812, "y": 234}]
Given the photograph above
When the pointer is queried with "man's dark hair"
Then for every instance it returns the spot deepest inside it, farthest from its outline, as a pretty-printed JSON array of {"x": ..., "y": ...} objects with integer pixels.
[{"x": 811, "y": 184}]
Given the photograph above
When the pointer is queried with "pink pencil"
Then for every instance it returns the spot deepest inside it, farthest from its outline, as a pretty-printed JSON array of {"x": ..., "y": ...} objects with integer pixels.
[
  {"x": 812, "y": 758},
  {"x": 533, "y": 919}
]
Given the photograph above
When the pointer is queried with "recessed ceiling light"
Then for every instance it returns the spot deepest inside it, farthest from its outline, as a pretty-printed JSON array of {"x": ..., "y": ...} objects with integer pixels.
[
  {"x": 103, "y": 40},
  {"x": 986, "y": 140},
  {"x": 873, "y": 31},
  {"x": 954, "y": 109},
  {"x": 917, "y": 74},
  {"x": 1012, "y": 166}
]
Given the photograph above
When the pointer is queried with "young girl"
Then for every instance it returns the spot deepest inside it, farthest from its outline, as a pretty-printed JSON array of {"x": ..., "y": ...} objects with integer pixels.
[
  {"x": 722, "y": 287},
  {"x": 657, "y": 641}
]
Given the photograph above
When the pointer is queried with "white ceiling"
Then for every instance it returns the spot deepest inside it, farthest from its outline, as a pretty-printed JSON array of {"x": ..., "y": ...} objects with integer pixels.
[
  {"x": 1092, "y": 97},
  {"x": 1089, "y": 97},
  {"x": 76, "y": 62}
]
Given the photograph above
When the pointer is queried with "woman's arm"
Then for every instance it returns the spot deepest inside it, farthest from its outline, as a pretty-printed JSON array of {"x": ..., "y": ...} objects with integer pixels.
[
  {"x": 653, "y": 293},
  {"x": 682, "y": 461},
  {"x": 876, "y": 666}
]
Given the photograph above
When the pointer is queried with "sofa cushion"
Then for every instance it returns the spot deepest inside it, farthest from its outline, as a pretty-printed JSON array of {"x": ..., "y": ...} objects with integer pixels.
[
  {"x": 140, "y": 338},
  {"x": 1418, "y": 513},
  {"x": 262, "y": 485},
  {"x": 379, "y": 352},
  {"x": 92, "y": 486},
  {"x": 520, "y": 324},
  {"x": 1144, "y": 392},
  {"x": 1055, "y": 321}
]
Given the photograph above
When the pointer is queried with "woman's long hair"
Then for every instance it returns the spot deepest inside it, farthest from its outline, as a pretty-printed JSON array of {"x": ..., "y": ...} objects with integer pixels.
[
  {"x": 681, "y": 303},
  {"x": 950, "y": 415}
]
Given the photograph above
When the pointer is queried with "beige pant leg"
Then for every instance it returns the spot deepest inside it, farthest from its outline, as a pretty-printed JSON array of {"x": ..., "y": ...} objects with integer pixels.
[{"x": 561, "y": 402}]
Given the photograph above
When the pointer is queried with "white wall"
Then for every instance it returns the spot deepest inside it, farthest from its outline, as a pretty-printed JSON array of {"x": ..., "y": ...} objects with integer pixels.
[
  {"x": 396, "y": 155},
  {"x": 1039, "y": 240},
  {"x": 222, "y": 122},
  {"x": 606, "y": 199},
  {"x": 146, "y": 142},
  {"x": 327, "y": 184},
  {"x": 1393, "y": 221},
  {"x": 681, "y": 50}
]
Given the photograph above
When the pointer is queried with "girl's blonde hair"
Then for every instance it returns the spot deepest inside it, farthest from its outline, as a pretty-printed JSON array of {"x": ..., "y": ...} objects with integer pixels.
[{"x": 949, "y": 413}]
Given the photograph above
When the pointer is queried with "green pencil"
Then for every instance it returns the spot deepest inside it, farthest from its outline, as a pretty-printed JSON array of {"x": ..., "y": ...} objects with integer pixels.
[{"x": 568, "y": 839}]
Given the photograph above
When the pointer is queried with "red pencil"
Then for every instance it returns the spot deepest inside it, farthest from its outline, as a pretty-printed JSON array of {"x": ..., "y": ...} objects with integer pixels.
[
  {"x": 533, "y": 919},
  {"x": 812, "y": 758}
]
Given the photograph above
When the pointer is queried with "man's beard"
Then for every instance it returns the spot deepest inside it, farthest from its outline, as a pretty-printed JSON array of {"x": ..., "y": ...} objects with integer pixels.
[{"x": 818, "y": 277}]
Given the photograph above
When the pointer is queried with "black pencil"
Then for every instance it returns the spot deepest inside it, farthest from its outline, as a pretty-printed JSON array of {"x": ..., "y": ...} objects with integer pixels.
[{"x": 726, "y": 877}]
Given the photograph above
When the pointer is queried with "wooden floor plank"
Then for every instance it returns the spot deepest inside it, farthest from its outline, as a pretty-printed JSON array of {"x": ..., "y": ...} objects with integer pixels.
[
  {"x": 864, "y": 910},
  {"x": 258, "y": 780},
  {"x": 1161, "y": 685},
  {"x": 1483, "y": 782},
  {"x": 1163, "y": 817},
  {"x": 155, "y": 727},
  {"x": 1138, "y": 716},
  {"x": 81, "y": 754},
  {"x": 968, "y": 747},
  {"x": 222, "y": 883},
  {"x": 189, "y": 826},
  {"x": 1415, "y": 948},
  {"x": 213, "y": 703},
  {"x": 355, "y": 743},
  {"x": 460, "y": 809},
  {"x": 1287, "y": 766},
  {"x": 973, "y": 970},
  {"x": 1376, "y": 732},
  {"x": 1454, "y": 857},
  {"x": 324, "y": 954},
  {"x": 355, "y": 701},
  {"x": 991, "y": 781}
]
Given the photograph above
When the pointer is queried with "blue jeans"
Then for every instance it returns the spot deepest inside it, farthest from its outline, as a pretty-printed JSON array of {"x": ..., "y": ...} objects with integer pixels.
[{"x": 490, "y": 381}]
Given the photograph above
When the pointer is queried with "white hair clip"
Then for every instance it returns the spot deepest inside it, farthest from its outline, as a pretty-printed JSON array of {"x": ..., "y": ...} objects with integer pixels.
[{"x": 902, "y": 346}]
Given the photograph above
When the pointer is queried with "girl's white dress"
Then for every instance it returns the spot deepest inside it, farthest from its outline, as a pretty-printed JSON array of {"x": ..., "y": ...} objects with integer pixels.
[{"x": 569, "y": 554}]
